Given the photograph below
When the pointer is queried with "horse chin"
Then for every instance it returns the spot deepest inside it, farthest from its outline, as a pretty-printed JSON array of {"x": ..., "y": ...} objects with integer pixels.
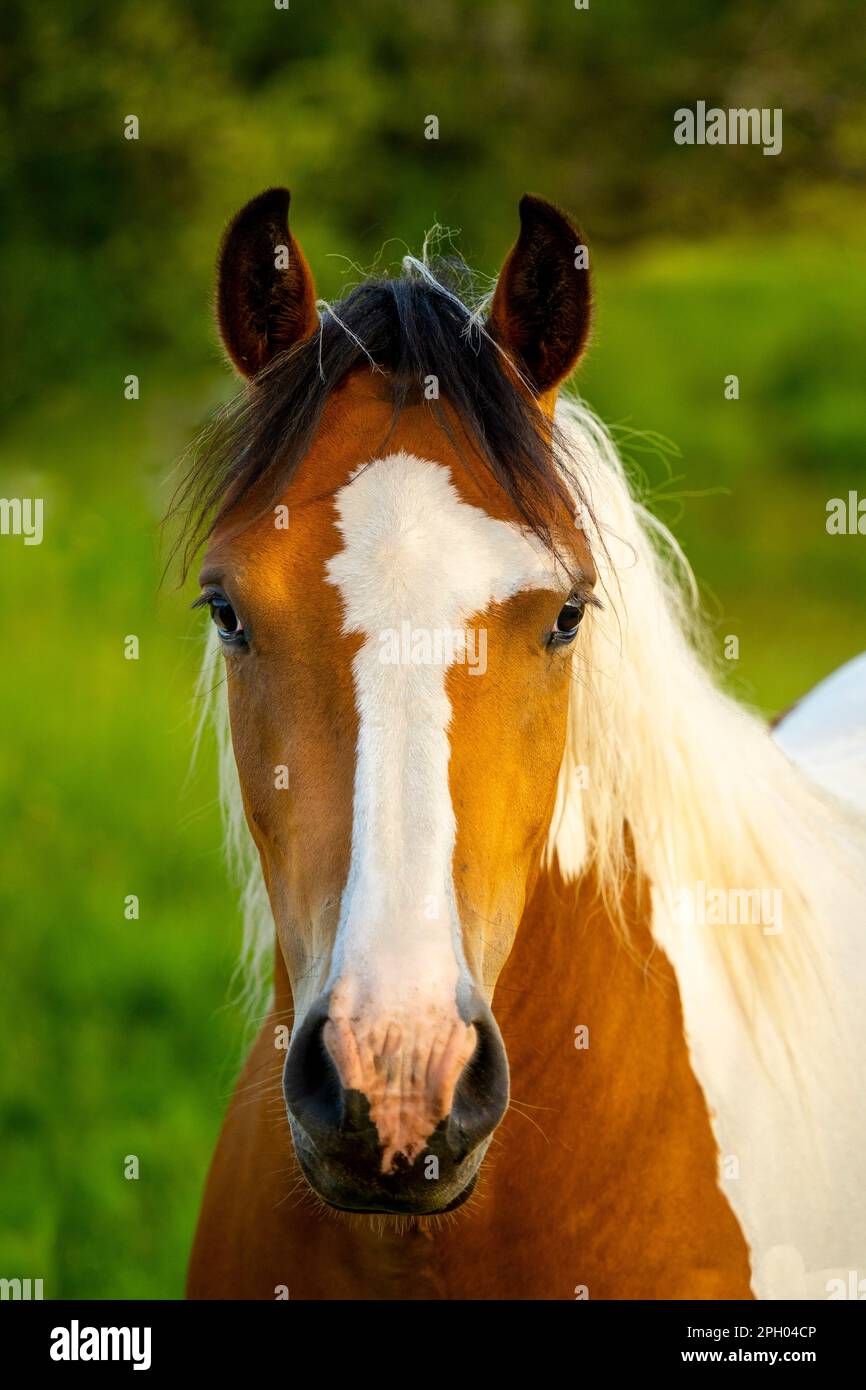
[
  {"x": 406, "y": 1210},
  {"x": 350, "y": 1186}
]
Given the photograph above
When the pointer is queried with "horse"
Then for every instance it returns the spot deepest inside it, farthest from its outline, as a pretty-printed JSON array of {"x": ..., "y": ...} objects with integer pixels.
[{"x": 555, "y": 948}]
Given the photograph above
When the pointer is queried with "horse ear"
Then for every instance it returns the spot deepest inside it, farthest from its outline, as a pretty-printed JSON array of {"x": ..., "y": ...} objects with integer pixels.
[
  {"x": 266, "y": 300},
  {"x": 542, "y": 305}
]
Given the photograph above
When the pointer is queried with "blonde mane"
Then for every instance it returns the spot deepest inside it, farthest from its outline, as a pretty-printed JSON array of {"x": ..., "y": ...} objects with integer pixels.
[{"x": 708, "y": 796}]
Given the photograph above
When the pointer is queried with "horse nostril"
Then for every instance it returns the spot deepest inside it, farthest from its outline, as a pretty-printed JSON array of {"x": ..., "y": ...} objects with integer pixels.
[
  {"x": 481, "y": 1095},
  {"x": 312, "y": 1089}
]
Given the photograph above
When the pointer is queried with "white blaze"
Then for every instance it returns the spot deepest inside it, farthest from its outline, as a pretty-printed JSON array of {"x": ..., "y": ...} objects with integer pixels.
[{"x": 413, "y": 553}]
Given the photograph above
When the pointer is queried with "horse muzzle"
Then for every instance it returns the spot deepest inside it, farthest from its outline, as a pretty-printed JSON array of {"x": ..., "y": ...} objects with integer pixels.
[{"x": 393, "y": 1111}]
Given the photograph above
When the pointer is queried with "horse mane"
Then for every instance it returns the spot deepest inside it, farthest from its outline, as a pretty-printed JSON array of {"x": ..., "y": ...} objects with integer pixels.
[
  {"x": 707, "y": 795},
  {"x": 680, "y": 780}
]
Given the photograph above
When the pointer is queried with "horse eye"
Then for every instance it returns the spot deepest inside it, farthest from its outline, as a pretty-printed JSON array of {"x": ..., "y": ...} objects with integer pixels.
[
  {"x": 568, "y": 621},
  {"x": 226, "y": 620}
]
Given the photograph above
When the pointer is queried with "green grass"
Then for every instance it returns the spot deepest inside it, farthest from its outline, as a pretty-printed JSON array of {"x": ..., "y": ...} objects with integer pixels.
[
  {"x": 116, "y": 1039},
  {"x": 751, "y": 484}
]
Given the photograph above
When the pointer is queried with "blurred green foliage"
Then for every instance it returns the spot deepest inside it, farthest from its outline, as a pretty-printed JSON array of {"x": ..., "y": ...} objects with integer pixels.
[
  {"x": 708, "y": 262},
  {"x": 108, "y": 243}
]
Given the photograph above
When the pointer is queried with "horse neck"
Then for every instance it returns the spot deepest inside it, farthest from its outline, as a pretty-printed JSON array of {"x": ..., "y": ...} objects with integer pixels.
[{"x": 591, "y": 1015}]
